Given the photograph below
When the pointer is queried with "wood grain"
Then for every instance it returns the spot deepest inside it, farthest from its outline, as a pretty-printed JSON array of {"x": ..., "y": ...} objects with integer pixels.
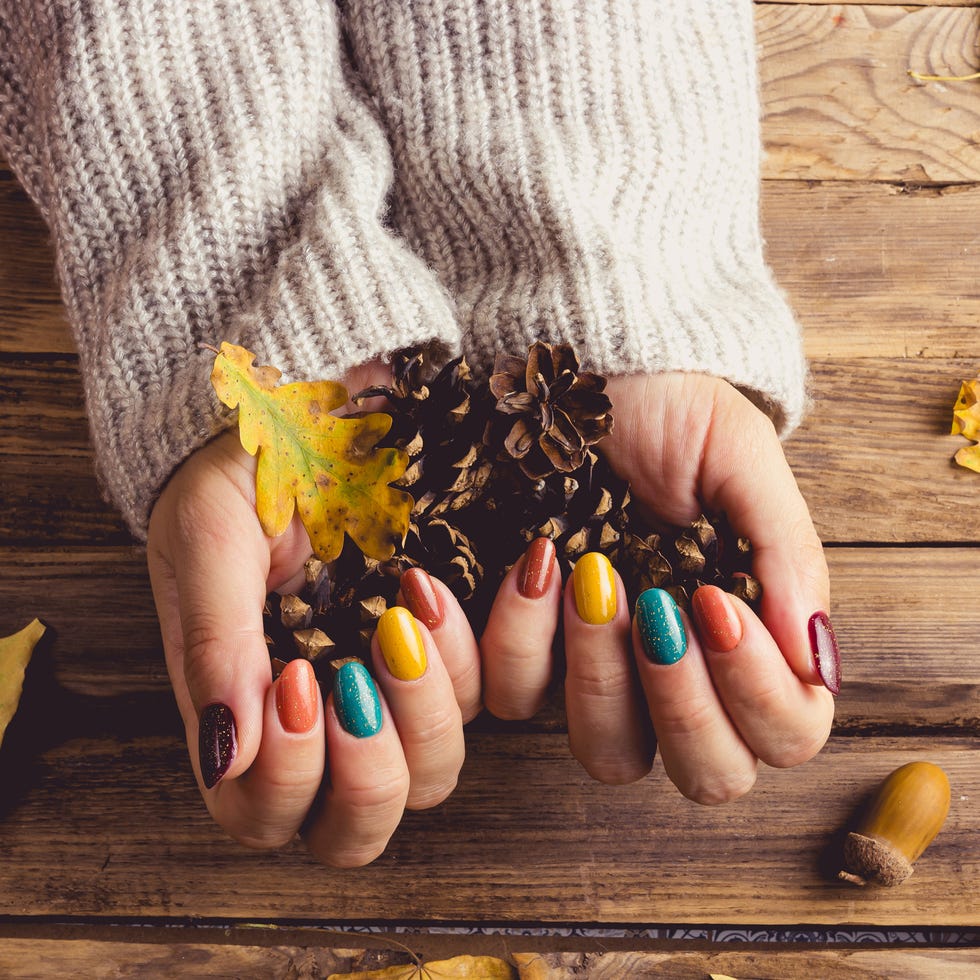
[
  {"x": 838, "y": 102},
  {"x": 525, "y": 836}
]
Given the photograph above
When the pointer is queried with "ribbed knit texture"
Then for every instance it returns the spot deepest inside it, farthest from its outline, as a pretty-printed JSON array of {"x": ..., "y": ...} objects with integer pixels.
[{"x": 581, "y": 170}]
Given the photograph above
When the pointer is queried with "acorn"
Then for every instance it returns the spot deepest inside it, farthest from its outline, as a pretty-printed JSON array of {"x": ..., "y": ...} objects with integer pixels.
[{"x": 903, "y": 817}]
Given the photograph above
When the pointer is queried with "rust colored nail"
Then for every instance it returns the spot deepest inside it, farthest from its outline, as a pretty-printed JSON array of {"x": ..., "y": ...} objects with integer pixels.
[
  {"x": 297, "y": 696},
  {"x": 716, "y": 618},
  {"x": 823, "y": 643},
  {"x": 217, "y": 742},
  {"x": 421, "y": 597},
  {"x": 539, "y": 560}
]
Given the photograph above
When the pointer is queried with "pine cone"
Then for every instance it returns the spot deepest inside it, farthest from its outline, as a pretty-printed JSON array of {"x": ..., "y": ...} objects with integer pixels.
[{"x": 548, "y": 413}]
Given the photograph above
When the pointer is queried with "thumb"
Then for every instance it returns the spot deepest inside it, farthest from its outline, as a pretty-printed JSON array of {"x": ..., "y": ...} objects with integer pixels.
[{"x": 209, "y": 562}]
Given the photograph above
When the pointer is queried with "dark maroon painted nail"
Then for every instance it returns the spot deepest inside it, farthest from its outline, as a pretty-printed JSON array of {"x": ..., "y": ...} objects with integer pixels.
[
  {"x": 217, "y": 742},
  {"x": 823, "y": 643}
]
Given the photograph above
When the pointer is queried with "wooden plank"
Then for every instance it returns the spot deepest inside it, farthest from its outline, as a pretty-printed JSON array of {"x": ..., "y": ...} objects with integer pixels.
[
  {"x": 904, "y": 617},
  {"x": 838, "y": 102},
  {"x": 875, "y": 270},
  {"x": 107, "y": 826},
  {"x": 874, "y": 457}
]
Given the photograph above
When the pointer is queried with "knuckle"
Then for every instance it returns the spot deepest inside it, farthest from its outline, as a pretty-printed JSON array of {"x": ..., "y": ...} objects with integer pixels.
[
  {"x": 796, "y": 748},
  {"x": 372, "y": 803},
  {"x": 613, "y": 771},
  {"x": 433, "y": 793},
  {"x": 693, "y": 716}
]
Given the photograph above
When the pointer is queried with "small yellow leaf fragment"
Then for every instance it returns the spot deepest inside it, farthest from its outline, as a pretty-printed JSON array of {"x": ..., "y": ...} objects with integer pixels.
[
  {"x": 720, "y": 976},
  {"x": 457, "y": 968},
  {"x": 15, "y": 654},
  {"x": 966, "y": 422},
  {"x": 327, "y": 467}
]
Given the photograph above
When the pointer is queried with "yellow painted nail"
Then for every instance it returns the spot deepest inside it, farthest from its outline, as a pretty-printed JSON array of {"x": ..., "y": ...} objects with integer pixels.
[
  {"x": 595, "y": 588},
  {"x": 401, "y": 643}
]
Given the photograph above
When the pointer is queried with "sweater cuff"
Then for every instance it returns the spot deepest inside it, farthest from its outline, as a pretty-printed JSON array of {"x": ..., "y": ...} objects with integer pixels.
[{"x": 596, "y": 170}]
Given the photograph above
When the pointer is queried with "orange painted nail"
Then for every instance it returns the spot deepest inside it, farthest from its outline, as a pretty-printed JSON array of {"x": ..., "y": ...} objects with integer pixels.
[
  {"x": 716, "y": 618},
  {"x": 297, "y": 696}
]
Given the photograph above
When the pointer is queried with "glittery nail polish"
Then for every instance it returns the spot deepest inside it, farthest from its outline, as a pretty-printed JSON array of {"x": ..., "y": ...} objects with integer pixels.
[
  {"x": 217, "y": 742},
  {"x": 356, "y": 700},
  {"x": 718, "y": 623},
  {"x": 420, "y": 596},
  {"x": 823, "y": 643},
  {"x": 535, "y": 576},
  {"x": 660, "y": 626}
]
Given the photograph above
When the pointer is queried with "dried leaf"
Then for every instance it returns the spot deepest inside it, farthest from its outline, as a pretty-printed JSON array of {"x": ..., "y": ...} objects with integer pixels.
[
  {"x": 15, "y": 654},
  {"x": 326, "y": 466},
  {"x": 966, "y": 422},
  {"x": 457, "y": 968}
]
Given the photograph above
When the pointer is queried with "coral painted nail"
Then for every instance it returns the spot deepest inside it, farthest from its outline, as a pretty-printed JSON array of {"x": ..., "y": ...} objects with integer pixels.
[
  {"x": 217, "y": 742},
  {"x": 421, "y": 597},
  {"x": 401, "y": 644},
  {"x": 595, "y": 589},
  {"x": 660, "y": 626},
  {"x": 716, "y": 618},
  {"x": 535, "y": 576},
  {"x": 356, "y": 700},
  {"x": 823, "y": 643},
  {"x": 297, "y": 696}
]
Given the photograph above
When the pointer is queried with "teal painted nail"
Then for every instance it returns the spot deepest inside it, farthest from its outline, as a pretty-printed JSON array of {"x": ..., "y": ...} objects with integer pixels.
[
  {"x": 661, "y": 628},
  {"x": 356, "y": 700}
]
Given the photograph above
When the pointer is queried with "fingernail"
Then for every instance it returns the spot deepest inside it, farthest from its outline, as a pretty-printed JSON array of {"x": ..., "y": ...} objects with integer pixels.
[
  {"x": 401, "y": 643},
  {"x": 297, "y": 696},
  {"x": 539, "y": 560},
  {"x": 217, "y": 742},
  {"x": 356, "y": 700},
  {"x": 421, "y": 597},
  {"x": 823, "y": 643},
  {"x": 716, "y": 618},
  {"x": 595, "y": 588},
  {"x": 661, "y": 628}
]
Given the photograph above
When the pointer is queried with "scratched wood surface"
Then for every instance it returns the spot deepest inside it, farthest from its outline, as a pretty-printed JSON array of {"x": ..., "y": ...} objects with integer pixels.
[{"x": 870, "y": 202}]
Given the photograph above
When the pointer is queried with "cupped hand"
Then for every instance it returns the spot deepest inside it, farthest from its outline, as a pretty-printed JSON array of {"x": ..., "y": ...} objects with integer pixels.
[
  {"x": 272, "y": 758},
  {"x": 717, "y": 692}
]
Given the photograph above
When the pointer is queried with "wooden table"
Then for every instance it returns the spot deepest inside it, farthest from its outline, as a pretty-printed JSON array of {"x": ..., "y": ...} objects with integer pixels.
[{"x": 108, "y": 860}]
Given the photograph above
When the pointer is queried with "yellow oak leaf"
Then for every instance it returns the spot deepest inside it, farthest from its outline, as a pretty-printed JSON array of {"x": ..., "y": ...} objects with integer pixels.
[
  {"x": 457, "y": 968},
  {"x": 327, "y": 467},
  {"x": 15, "y": 654}
]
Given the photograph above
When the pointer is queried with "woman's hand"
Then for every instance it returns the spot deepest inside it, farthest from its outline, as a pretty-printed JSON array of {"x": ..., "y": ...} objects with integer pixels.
[
  {"x": 260, "y": 749},
  {"x": 721, "y": 691}
]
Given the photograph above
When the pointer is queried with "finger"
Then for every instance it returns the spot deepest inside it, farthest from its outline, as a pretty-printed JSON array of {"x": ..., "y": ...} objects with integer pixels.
[
  {"x": 702, "y": 752},
  {"x": 419, "y": 692},
  {"x": 782, "y": 719},
  {"x": 746, "y": 476},
  {"x": 362, "y": 803},
  {"x": 517, "y": 643},
  {"x": 431, "y": 602},
  {"x": 267, "y": 806},
  {"x": 609, "y": 729},
  {"x": 208, "y": 567}
]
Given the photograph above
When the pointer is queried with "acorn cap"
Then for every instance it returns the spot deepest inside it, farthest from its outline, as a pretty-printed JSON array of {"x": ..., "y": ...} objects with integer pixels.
[{"x": 871, "y": 860}]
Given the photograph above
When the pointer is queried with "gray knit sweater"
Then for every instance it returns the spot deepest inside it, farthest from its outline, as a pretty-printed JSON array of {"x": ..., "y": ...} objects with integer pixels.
[{"x": 325, "y": 183}]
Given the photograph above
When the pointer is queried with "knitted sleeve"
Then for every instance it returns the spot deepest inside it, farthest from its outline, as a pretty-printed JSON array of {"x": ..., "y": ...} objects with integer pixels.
[
  {"x": 209, "y": 171},
  {"x": 588, "y": 171}
]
